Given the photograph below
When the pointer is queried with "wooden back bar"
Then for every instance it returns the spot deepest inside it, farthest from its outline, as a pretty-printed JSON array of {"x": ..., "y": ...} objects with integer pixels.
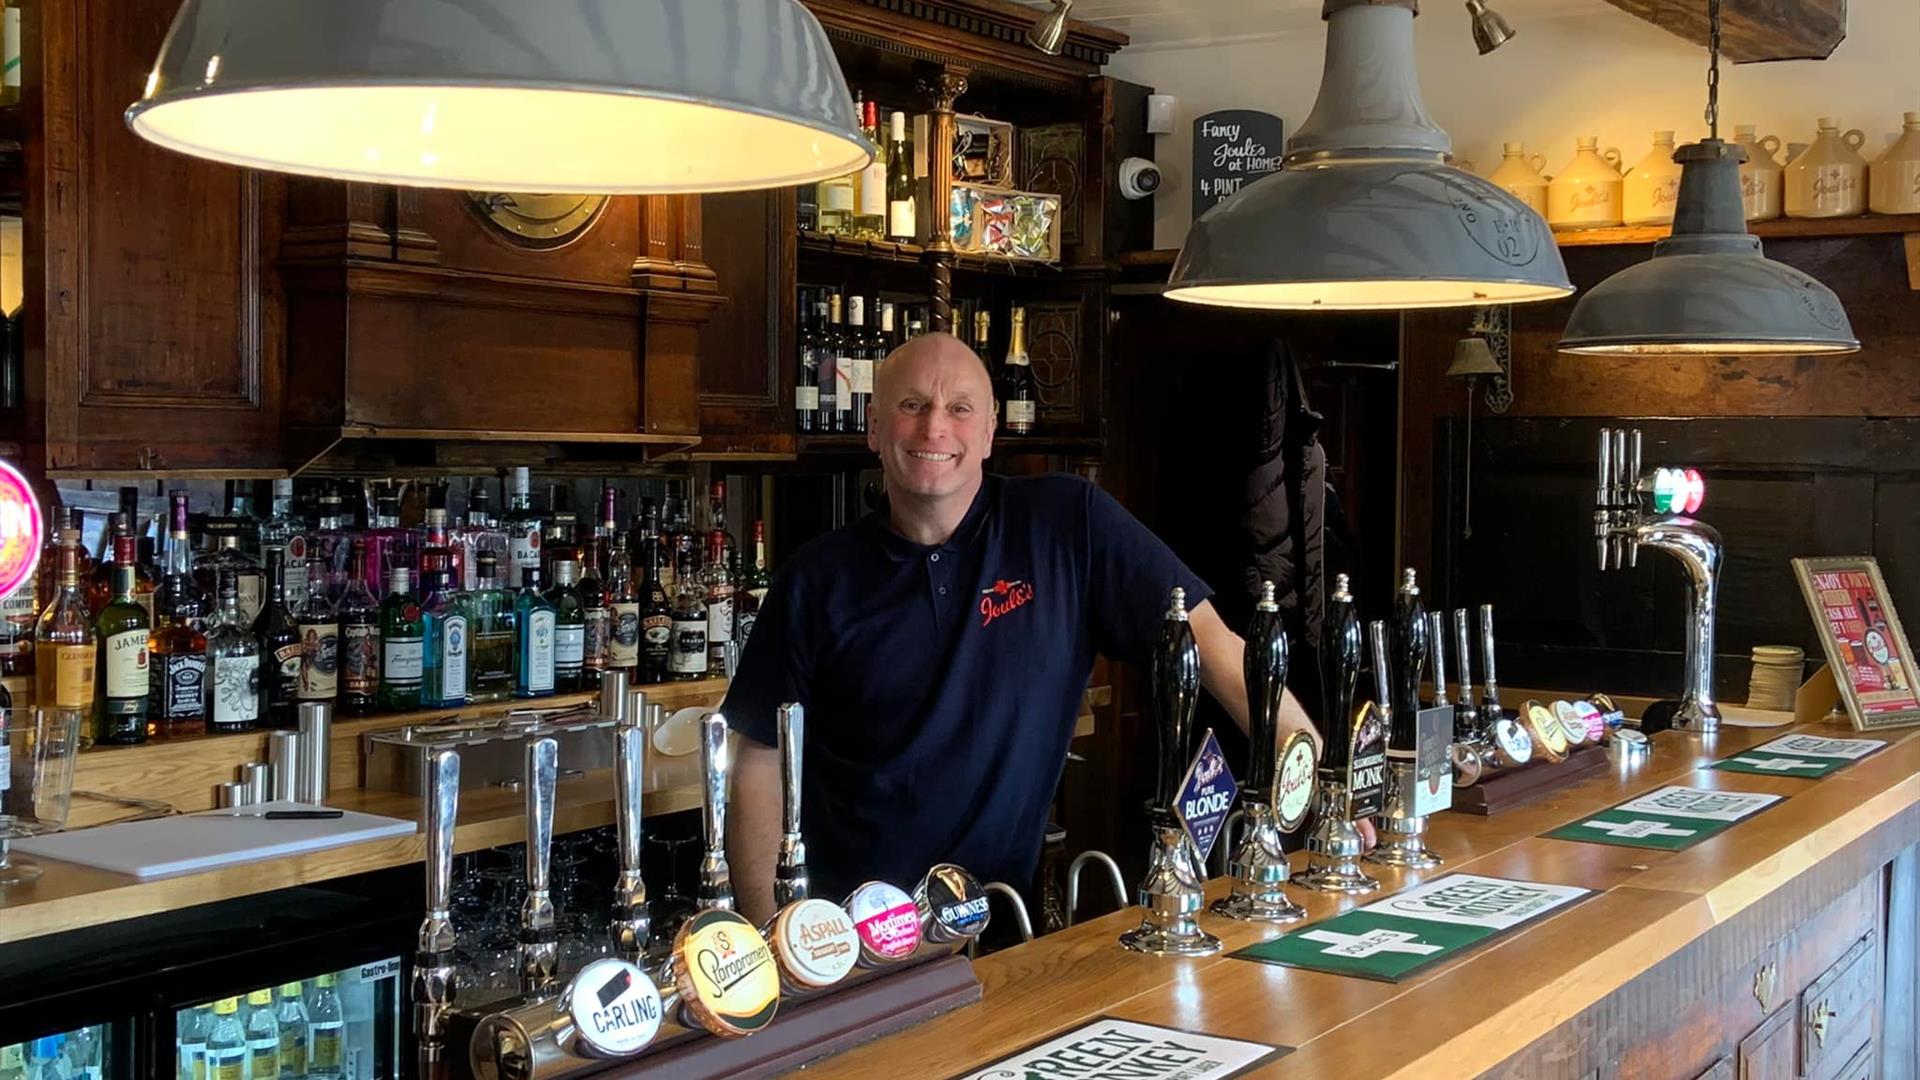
[{"x": 1470, "y": 1014}]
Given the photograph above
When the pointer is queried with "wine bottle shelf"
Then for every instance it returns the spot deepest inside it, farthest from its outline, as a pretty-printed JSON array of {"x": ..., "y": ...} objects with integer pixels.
[{"x": 887, "y": 251}]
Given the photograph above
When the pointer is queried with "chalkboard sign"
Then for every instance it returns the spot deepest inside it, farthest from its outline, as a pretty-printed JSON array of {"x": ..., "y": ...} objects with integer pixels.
[{"x": 1231, "y": 149}]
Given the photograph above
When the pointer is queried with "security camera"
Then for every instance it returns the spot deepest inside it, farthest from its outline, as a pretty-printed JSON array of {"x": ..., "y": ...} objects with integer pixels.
[{"x": 1139, "y": 178}]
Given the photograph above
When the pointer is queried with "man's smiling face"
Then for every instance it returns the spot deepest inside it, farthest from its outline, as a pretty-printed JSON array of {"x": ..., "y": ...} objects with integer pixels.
[{"x": 932, "y": 419}]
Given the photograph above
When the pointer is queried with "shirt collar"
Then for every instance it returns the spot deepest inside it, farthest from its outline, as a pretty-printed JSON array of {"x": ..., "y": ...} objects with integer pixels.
[{"x": 899, "y": 548}]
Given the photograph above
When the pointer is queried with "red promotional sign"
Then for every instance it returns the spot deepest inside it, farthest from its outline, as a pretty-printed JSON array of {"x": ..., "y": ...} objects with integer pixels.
[
  {"x": 1854, "y": 612},
  {"x": 22, "y": 531}
]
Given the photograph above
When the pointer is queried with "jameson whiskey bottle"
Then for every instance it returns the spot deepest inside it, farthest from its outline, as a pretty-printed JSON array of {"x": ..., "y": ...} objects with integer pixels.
[
  {"x": 120, "y": 696},
  {"x": 359, "y": 616}
]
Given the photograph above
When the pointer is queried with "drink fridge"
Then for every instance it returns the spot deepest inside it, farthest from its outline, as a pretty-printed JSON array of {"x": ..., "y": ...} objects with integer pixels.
[{"x": 302, "y": 983}]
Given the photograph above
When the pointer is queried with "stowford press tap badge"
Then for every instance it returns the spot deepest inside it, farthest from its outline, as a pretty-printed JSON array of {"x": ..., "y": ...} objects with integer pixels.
[{"x": 1110, "y": 1049}]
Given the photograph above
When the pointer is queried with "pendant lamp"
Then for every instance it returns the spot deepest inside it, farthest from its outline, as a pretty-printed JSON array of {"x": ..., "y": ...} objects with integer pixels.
[
  {"x": 1049, "y": 32},
  {"x": 556, "y": 96},
  {"x": 1366, "y": 211},
  {"x": 1708, "y": 289}
]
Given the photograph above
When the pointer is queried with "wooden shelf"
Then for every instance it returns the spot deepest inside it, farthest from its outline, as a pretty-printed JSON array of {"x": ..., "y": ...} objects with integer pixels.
[
  {"x": 885, "y": 251},
  {"x": 1865, "y": 225}
]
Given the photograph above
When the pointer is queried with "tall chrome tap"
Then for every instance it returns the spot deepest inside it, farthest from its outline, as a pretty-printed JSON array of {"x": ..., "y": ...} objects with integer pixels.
[
  {"x": 716, "y": 880},
  {"x": 434, "y": 987},
  {"x": 790, "y": 870},
  {"x": 632, "y": 920},
  {"x": 1631, "y": 510},
  {"x": 539, "y": 936}
]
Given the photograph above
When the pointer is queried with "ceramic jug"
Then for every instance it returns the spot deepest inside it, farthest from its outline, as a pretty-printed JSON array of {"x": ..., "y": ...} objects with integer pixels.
[
  {"x": 1760, "y": 174},
  {"x": 1829, "y": 178},
  {"x": 1586, "y": 194},
  {"x": 1519, "y": 175},
  {"x": 1652, "y": 187},
  {"x": 1894, "y": 186}
]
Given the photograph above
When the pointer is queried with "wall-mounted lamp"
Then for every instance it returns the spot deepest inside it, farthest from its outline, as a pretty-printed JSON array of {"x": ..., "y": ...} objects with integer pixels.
[
  {"x": 1490, "y": 31},
  {"x": 1049, "y": 32}
]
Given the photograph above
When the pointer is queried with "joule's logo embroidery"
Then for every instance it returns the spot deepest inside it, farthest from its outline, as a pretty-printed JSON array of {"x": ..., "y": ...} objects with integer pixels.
[{"x": 1002, "y": 598}]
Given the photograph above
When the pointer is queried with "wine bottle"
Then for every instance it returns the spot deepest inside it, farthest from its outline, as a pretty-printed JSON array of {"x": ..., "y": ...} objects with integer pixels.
[
  {"x": 1019, "y": 393},
  {"x": 901, "y": 217}
]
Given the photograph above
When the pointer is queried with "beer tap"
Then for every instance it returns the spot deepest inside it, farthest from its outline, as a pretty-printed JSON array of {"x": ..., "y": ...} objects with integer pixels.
[
  {"x": 1171, "y": 892},
  {"x": 1628, "y": 525},
  {"x": 1490, "y": 710},
  {"x": 1466, "y": 716},
  {"x": 632, "y": 922},
  {"x": 1416, "y": 742},
  {"x": 790, "y": 872},
  {"x": 1259, "y": 864},
  {"x": 1437, "y": 657},
  {"x": 716, "y": 882},
  {"x": 539, "y": 941},
  {"x": 433, "y": 979},
  {"x": 1334, "y": 846}
]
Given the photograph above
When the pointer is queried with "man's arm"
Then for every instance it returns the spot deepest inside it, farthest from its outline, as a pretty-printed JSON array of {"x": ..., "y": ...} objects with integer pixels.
[
  {"x": 1223, "y": 672},
  {"x": 753, "y": 828}
]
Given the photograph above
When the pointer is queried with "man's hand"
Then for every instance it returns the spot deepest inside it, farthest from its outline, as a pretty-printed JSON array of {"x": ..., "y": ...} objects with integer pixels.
[{"x": 753, "y": 828}]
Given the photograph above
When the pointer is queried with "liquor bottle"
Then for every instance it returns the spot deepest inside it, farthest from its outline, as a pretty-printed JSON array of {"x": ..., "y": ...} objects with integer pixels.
[
  {"x": 435, "y": 541},
  {"x": 596, "y": 617},
  {"x": 63, "y": 643},
  {"x": 533, "y": 621},
  {"x": 233, "y": 663},
  {"x": 229, "y": 557},
  {"x": 609, "y": 522},
  {"x": 685, "y": 546},
  {"x": 331, "y": 541},
  {"x": 558, "y": 545},
  {"x": 901, "y": 218},
  {"x": 285, "y": 532},
  {"x": 521, "y": 525},
  {"x": 447, "y": 627},
  {"x": 717, "y": 581},
  {"x": 226, "y": 1042},
  {"x": 655, "y": 613},
  {"x": 480, "y": 533},
  {"x": 858, "y": 354},
  {"x": 291, "y": 1016},
  {"x": 177, "y": 666},
  {"x": 326, "y": 1032},
  {"x": 829, "y": 356},
  {"x": 263, "y": 1032},
  {"x": 983, "y": 348},
  {"x": 889, "y": 339},
  {"x": 806, "y": 381},
  {"x": 280, "y": 649},
  {"x": 388, "y": 545},
  {"x": 688, "y": 658},
  {"x": 751, "y": 590},
  {"x": 319, "y": 636},
  {"x": 623, "y": 613},
  {"x": 569, "y": 629},
  {"x": 490, "y": 628},
  {"x": 838, "y": 411},
  {"x": 651, "y": 545},
  {"x": 403, "y": 635},
  {"x": 1019, "y": 395},
  {"x": 359, "y": 615},
  {"x": 100, "y": 581},
  {"x": 870, "y": 214},
  {"x": 191, "y": 1028},
  {"x": 121, "y": 662},
  {"x": 717, "y": 521}
]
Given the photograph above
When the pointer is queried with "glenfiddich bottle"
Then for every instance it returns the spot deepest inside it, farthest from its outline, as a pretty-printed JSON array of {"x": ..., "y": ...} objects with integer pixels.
[
  {"x": 177, "y": 690},
  {"x": 63, "y": 643},
  {"x": 280, "y": 649},
  {"x": 120, "y": 697},
  {"x": 1020, "y": 398},
  {"x": 359, "y": 615}
]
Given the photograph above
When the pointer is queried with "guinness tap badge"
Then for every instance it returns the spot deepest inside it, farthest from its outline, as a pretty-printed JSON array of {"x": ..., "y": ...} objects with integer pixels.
[
  {"x": 1367, "y": 766},
  {"x": 952, "y": 905},
  {"x": 727, "y": 979},
  {"x": 1293, "y": 784}
]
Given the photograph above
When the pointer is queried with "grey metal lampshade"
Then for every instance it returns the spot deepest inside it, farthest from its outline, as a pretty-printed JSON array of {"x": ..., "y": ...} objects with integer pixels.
[
  {"x": 1490, "y": 31},
  {"x": 1707, "y": 288},
  {"x": 1366, "y": 211},
  {"x": 1049, "y": 32},
  {"x": 607, "y": 96}
]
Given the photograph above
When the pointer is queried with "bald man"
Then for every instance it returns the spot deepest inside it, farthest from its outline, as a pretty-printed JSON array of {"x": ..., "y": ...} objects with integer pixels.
[{"x": 941, "y": 647}]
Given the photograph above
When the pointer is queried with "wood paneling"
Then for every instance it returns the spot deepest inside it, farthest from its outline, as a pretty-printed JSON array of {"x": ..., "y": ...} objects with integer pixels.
[
  {"x": 1753, "y": 30},
  {"x": 747, "y": 350}
]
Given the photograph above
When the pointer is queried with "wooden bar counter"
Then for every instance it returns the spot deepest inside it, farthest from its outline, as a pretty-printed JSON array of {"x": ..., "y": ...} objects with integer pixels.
[{"x": 1689, "y": 963}]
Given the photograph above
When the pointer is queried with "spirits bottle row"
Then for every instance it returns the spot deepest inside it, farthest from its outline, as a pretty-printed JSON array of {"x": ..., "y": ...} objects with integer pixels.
[
  {"x": 183, "y": 655},
  {"x": 289, "y": 1032}
]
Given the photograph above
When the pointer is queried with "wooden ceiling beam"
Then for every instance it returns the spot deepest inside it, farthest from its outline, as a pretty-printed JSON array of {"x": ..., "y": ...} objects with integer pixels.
[{"x": 1752, "y": 30}]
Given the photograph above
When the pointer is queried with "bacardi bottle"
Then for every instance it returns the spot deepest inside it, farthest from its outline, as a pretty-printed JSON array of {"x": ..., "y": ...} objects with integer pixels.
[
  {"x": 521, "y": 525},
  {"x": 286, "y": 533}
]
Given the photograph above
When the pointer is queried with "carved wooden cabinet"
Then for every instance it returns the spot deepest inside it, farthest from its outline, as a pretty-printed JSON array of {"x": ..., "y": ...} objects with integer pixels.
[{"x": 747, "y": 351}]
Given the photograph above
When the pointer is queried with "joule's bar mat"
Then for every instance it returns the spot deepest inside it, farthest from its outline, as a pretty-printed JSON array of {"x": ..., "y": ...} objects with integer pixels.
[
  {"x": 1808, "y": 756},
  {"x": 1669, "y": 819}
]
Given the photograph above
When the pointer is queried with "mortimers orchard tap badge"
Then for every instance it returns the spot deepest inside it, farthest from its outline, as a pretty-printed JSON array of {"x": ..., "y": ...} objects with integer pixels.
[{"x": 1206, "y": 795}]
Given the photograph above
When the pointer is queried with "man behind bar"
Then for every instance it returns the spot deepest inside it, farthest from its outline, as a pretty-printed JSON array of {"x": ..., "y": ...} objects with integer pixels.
[{"x": 941, "y": 647}]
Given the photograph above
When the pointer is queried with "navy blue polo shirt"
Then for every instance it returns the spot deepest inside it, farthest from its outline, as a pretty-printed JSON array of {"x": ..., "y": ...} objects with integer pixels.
[{"x": 941, "y": 683}]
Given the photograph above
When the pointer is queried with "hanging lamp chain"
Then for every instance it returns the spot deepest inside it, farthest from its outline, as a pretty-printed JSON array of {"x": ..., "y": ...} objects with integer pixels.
[{"x": 1713, "y": 69}]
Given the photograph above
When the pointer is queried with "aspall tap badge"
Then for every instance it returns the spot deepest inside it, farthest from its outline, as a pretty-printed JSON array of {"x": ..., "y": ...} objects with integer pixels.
[
  {"x": 728, "y": 981},
  {"x": 22, "y": 530},
  {"x": 1367, "y": 768},
  {"x": 815, "y": 943},
  {"x": 1206, "y": 796},
  {"x": 887, "y": 921},
  {"x": 952, "y": 905},
  {"x": 1293, "y": 782},
  {"x": 615, "y": 1007}
]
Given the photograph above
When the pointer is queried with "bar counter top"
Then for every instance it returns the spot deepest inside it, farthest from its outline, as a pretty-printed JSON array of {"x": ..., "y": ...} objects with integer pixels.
[{"x": 1467, "y": 1015}]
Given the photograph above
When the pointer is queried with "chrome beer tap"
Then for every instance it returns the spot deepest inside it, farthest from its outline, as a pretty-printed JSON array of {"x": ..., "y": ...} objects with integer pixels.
[
  {"x": 539, "y": 940},
  {"x": 1490, "y": 710},
  {"x": 790, "y": 872},
  {"x": 1259, "y": 864},
  {"x": 632, "y": 921},
  {"x": 1415, "y": 747},
  {"x": 1629, "y": 522},
  {"x": 1466, "y": 716},
  {"x": 716, "y": 881},
  {"x": 1334, "y": 846},
  {"x": 1171, "y": 892},
  {"x": 434, "y": 986}
]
